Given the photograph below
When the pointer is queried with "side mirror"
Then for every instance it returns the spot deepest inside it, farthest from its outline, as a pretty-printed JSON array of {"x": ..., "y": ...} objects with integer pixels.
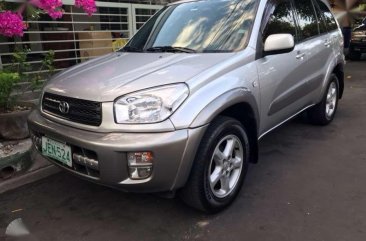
[{"x": 279, "y": 44}]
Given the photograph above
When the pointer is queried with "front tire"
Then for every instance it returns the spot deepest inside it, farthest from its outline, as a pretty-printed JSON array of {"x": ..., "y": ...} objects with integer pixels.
[
  {"x": 324, "y": 112},
  {"x": 219, "y": 168}
]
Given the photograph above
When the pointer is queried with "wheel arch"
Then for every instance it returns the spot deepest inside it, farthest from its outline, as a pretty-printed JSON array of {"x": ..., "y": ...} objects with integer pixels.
[
  {"x": 239, "y": 104},
  {"x": 244, "y": 113},
  {"x": 339, "y": 72}
]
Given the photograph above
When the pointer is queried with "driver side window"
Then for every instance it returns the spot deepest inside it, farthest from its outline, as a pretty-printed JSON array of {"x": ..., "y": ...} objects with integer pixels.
[{"x": 281, "y": 19}]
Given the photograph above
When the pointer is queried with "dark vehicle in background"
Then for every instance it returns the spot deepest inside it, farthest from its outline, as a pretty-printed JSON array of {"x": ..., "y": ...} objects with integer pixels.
[{"x": 358, "y": 42}]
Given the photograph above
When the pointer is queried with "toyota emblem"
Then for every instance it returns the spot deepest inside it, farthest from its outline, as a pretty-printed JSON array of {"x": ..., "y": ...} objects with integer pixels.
[{"x": 64, "y": 107}]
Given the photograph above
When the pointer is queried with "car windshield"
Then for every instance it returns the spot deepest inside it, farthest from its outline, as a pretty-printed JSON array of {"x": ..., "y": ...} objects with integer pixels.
[{"x": 201, "y": 26}]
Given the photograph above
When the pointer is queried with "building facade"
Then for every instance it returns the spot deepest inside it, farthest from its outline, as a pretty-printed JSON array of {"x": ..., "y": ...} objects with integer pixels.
[{"x": 77, "y": 37}]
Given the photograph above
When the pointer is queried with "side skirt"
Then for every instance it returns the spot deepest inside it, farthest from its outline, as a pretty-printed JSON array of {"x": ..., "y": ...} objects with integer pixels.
[{"x": 283, "y": 122}]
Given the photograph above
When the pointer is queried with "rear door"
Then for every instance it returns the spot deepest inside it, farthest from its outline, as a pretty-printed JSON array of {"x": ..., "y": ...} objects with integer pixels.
[
  {"x": 334, "y": 32},
  {"x": 317, "y": 45}
]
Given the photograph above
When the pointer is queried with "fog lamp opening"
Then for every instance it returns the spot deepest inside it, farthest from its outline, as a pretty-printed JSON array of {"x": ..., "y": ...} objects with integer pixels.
[
  {"x": 138, "y": 173},
  {"x": 140, "y": 164}
]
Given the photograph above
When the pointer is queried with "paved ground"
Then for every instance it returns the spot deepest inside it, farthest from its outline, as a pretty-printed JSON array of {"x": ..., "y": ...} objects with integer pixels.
[{"x": 309, "y": 185}]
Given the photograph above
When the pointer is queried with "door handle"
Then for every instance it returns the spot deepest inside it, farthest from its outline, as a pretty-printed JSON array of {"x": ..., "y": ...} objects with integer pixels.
[
  {"x": 327, "y": 43},
  {"x": 300, "y": 56}
]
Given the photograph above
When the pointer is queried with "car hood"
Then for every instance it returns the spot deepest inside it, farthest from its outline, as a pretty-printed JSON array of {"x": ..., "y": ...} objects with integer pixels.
[{"x": 108, "y": 77}]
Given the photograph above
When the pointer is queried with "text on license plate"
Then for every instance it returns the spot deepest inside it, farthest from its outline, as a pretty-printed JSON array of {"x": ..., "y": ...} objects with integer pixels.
[{"x": 57, "y": 150}]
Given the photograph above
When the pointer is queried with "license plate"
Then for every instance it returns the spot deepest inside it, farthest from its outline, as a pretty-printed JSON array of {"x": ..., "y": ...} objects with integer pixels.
[{"x": 57, "y": 151}]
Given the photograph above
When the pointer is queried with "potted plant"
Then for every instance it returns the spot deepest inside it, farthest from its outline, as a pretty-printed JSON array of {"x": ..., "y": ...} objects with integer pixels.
[
  {"x": 14, "y": 108},
  {"x": 17, "y": 85},
  {"x": 12, "y": 116}
]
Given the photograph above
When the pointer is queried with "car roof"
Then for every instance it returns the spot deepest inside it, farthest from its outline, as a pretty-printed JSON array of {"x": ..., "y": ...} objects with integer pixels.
[{"x": 186, "y": 1}]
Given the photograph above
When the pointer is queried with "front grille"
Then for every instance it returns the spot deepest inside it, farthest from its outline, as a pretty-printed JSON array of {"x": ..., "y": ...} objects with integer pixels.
[{"x": 80, "y": 111}]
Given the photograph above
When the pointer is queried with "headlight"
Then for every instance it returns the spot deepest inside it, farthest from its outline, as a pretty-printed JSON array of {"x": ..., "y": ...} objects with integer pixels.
[{"x": 150, "y": 106}]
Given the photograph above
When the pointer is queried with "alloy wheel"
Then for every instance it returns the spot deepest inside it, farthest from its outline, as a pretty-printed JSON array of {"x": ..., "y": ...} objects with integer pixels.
[
  {"x": 331, "y": 102},
  {"x": 226, "y": 166}
]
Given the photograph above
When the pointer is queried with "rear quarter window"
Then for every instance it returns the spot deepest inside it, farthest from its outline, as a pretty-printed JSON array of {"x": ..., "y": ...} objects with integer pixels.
[
  {"x": 323, "y": 28},
  {"x": 328, "y": 16}
]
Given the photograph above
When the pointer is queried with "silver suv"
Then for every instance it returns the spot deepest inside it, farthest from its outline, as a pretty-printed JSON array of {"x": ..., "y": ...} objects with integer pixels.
[{"x": 181, "y": 107}]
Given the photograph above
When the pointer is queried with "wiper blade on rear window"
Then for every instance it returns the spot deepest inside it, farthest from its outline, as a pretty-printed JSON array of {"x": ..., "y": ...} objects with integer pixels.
[
  {"x": 130, "y": 49},
  {"x": 171, "y": 49}
]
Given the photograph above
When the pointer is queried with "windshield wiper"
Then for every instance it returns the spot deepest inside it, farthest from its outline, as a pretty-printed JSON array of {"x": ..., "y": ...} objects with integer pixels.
[
  {"x": 130, "y": 49},
  {"x": 216, "y": 51},
  {"x": 171, "y": 49}
]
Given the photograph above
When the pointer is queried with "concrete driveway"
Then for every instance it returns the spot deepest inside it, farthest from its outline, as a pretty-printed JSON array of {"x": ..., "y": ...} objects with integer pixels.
[{"x": 310, "y": 185}]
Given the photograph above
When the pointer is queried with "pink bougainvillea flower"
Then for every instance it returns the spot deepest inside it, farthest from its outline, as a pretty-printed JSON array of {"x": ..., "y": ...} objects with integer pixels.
[
  {"x": 88, "y": 6},
  {"x": 11, "y": 24},
  {"x": 51, "y": 7}
]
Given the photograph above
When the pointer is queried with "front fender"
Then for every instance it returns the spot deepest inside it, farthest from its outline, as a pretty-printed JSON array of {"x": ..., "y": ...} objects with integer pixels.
[
  {"x": 199, "y": 125},
  {"x": 223, "y": 102},
  {"x": 213, "y": 94}
]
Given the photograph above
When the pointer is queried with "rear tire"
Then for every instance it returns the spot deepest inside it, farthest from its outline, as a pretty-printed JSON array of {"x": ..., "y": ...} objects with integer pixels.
[
  {"x": 219, "y": 168},
  {"x": 324, "y": 112}
]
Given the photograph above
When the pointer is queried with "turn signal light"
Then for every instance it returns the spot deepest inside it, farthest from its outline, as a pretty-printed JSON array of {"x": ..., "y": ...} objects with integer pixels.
[{"x": 139, "y": 158}]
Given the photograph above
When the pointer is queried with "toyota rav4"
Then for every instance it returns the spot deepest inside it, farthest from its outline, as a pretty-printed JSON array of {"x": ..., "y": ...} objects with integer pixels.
[{"x": 181, "y": 107}]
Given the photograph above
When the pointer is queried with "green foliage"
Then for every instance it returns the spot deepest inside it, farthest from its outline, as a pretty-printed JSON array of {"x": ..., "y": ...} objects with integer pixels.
[
  {"x": 33, "y": 13},
  {"x": 19, "y": 63},
  {"x": 8, "y": 5},
  {"x": 16, "y": 73},
  {"x": 20, "y": 66},
  {"x": 47, "y": 64},
  {"x": 362, "y": 7},
  {"x": 7, "y": 83}
]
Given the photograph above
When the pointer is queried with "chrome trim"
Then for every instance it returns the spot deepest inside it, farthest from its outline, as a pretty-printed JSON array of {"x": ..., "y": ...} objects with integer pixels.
[
  {"x": 283, "y": 122},
  {"x": 52, "y": 100},
  {"x": 85, "y": 161}
]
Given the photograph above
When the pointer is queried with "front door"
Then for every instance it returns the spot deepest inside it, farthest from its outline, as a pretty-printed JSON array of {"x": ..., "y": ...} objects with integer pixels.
[{"x": 282, "y": 78}]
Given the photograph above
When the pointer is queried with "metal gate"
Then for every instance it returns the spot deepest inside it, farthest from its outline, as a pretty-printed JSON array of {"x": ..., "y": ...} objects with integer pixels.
[{"x": 76, "y": 37}]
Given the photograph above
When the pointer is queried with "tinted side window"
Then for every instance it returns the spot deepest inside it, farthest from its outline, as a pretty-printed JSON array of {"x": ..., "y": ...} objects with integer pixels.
[
  {"x": 307, "y": 20},
  {"x": 321, "y": 20},
  {"x": 328, "y": 16},
  {"x": 281, "y": 19}
]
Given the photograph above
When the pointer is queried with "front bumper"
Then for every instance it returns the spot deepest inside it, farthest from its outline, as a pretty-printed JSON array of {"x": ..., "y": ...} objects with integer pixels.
[{"x": 173, "y": 154}]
